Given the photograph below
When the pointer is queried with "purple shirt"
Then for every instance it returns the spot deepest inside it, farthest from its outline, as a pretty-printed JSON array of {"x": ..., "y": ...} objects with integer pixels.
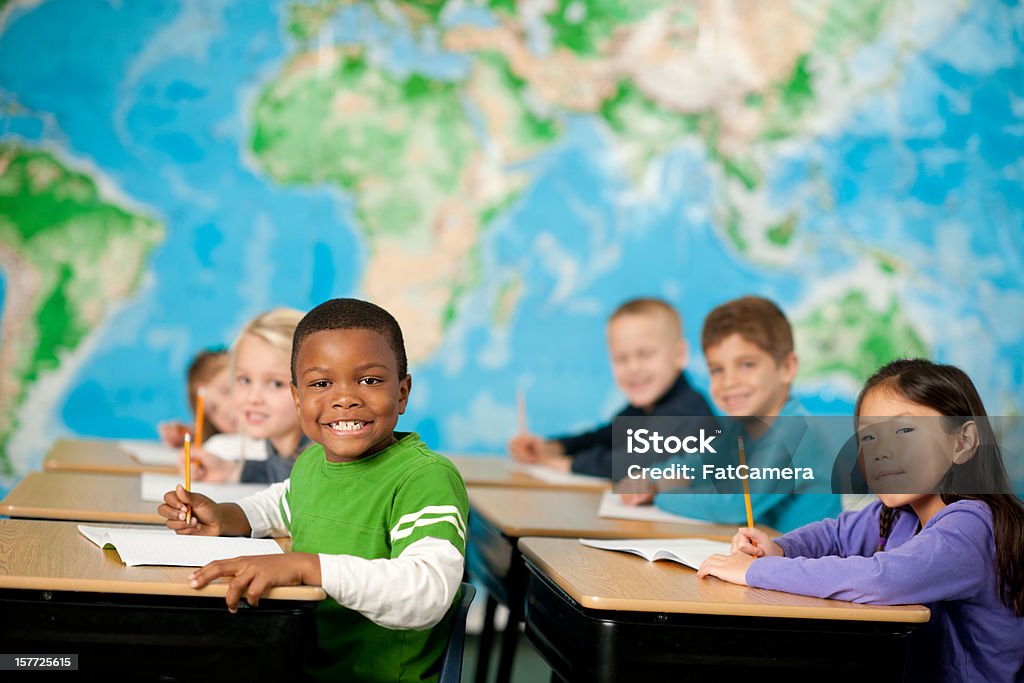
[{"x": 949, "y": 566}]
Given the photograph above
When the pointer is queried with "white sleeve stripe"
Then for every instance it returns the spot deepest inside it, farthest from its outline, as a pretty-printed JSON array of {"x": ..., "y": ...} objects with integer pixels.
[
  {"x": 431, "y": 509},
  {"x": 287, "y": 513},
  {"x": 397, "y": 534}
]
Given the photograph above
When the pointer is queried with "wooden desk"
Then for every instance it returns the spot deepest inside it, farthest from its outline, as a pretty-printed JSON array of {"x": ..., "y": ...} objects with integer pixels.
[
  {"x": 596, "y": 615},
  {"x": 499, "y": 517},
  {"x": 487, "y": 470},
  {"x": 60, "y": 594},
  {"x": 97, "y": 456},
  {"x": 80, "y": 497}
]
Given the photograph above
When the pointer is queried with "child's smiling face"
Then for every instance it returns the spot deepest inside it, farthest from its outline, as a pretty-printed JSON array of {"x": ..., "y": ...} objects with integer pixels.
[
  {"x": 261, "y": 391},
  {"x": 348, "y": 392},
  {"x": 647, "y": 356},
  {"x": 746, "y": 380}
]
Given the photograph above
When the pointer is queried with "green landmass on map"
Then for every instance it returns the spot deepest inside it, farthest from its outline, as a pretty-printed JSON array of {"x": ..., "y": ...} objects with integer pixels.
[
  {"x": 850, "y": 337},
  {"x": 398, "y": 144},
  {"x": 81, "y": 250}
]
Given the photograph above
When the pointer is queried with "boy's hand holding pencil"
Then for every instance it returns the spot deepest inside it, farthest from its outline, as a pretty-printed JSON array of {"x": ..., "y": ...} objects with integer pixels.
[
  {"x": 188, "y": 512},
  {"x": 208, "y": 518},
  {"x": 526, "y": 448}
]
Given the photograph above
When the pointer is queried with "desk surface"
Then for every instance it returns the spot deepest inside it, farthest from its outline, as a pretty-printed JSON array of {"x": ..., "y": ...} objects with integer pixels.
[
  {"x": 82, "y": 497},
  {"x": 605, "y": 580},
  {"x": 44, "y": 555},
  {"x": 96, "y": 455},
  {"x": 530, "y": 512},
  {"x": 489, "y": 470}
]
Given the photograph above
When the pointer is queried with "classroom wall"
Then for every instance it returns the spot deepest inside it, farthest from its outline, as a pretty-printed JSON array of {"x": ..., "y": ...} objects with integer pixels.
[{"x": 500, "y": 176}]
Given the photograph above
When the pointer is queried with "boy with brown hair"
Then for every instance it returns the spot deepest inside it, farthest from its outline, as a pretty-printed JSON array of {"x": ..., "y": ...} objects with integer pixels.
[
  {"x": 648, "y": 356},
  {"x": 748, "y": 346}
]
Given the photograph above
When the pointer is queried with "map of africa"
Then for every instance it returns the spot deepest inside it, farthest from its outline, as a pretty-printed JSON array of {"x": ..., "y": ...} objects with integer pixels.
[{"x": 500, "y": 175}]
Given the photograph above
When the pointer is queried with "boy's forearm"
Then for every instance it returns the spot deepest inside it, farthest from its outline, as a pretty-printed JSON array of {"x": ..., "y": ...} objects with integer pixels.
[
  {"x": 309, "y": 568},
  {"x": 233, "y": 521}
]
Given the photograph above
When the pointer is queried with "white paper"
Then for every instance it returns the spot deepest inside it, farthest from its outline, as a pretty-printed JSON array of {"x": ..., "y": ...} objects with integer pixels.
[
  {"x": 154, "y": 486},
  {"x": 155, "y": 453},
  {"x": 688, "y": 551},
  {"x": 612, "y": 507},
  {"x": 161, "y": 546},
  {"x": 236, "y": 447},
  {"x": 99, "y": 536},
  {"x": 550, "y": 476}
]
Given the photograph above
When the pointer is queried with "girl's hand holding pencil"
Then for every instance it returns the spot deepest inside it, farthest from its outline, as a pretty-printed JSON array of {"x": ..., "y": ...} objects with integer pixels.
[{"x": 755, "y": 543}]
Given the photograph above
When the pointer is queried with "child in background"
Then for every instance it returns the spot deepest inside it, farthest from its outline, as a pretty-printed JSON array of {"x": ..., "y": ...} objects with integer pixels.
[
  {"x": 748, "y": 346},
  {"x": 946, "y": 531},
  {"x": 375, "y": 516},
  {"x": 648, "y": 356},
  {"x": 209, "y": 370},
  {"x": 263, "y": 401}
]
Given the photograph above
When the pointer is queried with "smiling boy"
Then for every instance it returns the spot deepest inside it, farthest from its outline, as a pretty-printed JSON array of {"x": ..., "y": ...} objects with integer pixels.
[
  {"x": 648, "y": 355},
  {"x": 748, "y": 346},
  {"x": 375, "y": 516}
]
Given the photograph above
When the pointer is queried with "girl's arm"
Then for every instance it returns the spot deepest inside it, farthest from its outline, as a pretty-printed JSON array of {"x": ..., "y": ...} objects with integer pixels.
[
  {"x": 951, "y": 559},
  {"x": 852, "y": 533}
]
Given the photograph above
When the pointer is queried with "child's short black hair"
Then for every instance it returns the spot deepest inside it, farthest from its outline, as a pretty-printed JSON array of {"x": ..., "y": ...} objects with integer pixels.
[{"x": 349, "y": 314}]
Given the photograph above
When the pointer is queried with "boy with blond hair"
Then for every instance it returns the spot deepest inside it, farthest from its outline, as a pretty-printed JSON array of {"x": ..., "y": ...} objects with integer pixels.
[{"x": 648, "y": 356}]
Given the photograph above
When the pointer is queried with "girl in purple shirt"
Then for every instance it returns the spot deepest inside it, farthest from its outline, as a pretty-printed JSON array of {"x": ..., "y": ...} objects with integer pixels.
[{"x": 946, "y": 531}]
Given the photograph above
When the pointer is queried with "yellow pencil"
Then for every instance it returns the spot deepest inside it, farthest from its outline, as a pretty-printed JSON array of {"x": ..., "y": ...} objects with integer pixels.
[
  {"x": 746, "y": 488},
  {"x": 200, "y": 412},
  {"x": 188, "y": 476},
  {"x": 521, "y": 410}
]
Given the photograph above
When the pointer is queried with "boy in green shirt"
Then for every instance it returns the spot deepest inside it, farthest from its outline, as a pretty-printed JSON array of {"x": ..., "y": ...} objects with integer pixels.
[{"x": 376, "y": 518}]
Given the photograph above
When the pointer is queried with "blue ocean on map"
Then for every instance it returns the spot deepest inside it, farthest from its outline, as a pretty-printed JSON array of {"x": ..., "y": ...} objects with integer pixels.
[{"x": 155, "y": 99}]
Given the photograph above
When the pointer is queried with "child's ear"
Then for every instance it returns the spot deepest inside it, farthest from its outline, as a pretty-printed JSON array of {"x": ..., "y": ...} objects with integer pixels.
[
  {"x": 788, "y": 367},
  {"x": 404, "y": 388},
  {"x": 295, "y": 397},
  {"x": 966, "y": 443}
]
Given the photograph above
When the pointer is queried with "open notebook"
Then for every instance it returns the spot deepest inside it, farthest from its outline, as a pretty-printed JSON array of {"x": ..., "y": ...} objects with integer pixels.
[
  {"x": 161, "y": 546},
  {"x": 687, "y": 551},
  {"x": 154, "y": 486}
]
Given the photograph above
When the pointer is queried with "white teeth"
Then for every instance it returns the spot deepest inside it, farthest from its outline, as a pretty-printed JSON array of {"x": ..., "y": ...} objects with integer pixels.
[{"x": 347, "y": 425}]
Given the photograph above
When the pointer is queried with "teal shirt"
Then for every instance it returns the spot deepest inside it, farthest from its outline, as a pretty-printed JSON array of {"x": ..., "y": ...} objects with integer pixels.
[
  {"x": 374, "y": 508},
  {"x": 782, "y": 511}
]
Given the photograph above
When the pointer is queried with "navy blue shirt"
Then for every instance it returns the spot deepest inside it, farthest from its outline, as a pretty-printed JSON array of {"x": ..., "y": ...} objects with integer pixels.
[
  {"x": 591, "y": 452},
  {"x": 276, "y": 467}
]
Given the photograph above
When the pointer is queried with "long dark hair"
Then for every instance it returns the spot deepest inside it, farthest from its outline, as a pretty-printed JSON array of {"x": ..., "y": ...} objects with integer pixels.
[{"x": 949, "y": 391}]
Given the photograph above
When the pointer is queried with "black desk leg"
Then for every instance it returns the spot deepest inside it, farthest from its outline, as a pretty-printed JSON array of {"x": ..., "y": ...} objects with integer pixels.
[
  {"x": 483, "y": 655},
  {"x": 509, "y": 640}
]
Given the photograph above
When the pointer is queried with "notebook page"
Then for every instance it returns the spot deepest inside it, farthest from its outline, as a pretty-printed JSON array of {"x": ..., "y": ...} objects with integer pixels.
[
  {"x": 147, "y": 548},
  {"x": 154, "y": 486},
  {"x": 155, "y": 453},
  {"x": 688, "y": 551},
  {"x": 100, "y": 536},
  {"x": 550, "y": 476},
  {"x": 612, "y": 507}
]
